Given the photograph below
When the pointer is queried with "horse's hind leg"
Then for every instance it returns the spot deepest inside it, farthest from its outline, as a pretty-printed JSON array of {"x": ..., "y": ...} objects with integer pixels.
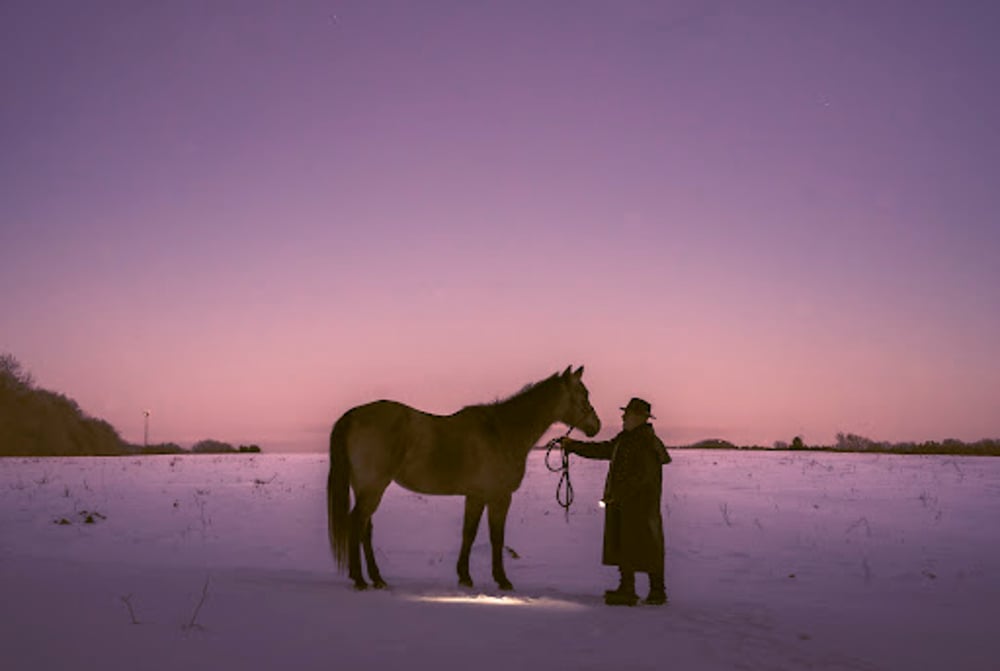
[
  {"x": 354, "y": 551},
  {"x": 361, "y": 533},
  {"x": 470, "y": 525},
  {"x": 373, "y": 573},
  {"x": 498, "y": 508}
]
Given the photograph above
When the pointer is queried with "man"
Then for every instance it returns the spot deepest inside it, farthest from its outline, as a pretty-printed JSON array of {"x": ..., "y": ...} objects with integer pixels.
[{"x": 633, "y": 526}]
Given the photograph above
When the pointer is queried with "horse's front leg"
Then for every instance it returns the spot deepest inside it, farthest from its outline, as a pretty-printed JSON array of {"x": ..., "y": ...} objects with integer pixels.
[
  {"x": 498, "y": 508},
  {"x": 470, "y": 525}
]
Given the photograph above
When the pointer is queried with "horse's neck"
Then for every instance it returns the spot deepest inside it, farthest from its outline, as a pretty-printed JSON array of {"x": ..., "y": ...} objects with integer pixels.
[{"x": 525, "y": 417}]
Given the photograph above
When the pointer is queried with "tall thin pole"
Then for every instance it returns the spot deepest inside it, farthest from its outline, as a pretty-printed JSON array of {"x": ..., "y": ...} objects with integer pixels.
[{"x": 145, "y": 429}]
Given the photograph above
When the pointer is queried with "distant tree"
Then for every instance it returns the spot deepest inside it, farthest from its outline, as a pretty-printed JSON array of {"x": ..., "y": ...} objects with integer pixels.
[
  {"x": 161, "y": 448},
  {"x": 928, "y": 447},
  {"x": 249, "y": 448},
  {"x": 780, "y": 445},
  {"x": 952, "y": 445},
  {"x": 714, "y": 444},
  {"x": 211, "y": 446},
  {"x": 12, "y": 374},
  {"x": 986, "y": 446},
  {"x": 797, "y": 443},
  {"x": 850, "y": 442}
]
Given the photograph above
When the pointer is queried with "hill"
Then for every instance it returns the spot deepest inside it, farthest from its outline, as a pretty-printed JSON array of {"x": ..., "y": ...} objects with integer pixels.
[{"x": 38, "y": 422}]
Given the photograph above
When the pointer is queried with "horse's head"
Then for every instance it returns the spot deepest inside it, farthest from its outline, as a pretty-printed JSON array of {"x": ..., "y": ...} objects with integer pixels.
[{"x": 579, "y": 412}]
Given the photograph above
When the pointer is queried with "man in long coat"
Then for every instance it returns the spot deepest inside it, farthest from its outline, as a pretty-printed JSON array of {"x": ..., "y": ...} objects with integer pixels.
[{"x": 633, "y": 525}]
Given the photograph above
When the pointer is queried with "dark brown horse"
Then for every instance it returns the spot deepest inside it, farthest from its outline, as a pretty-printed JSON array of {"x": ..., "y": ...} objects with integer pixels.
[{"x": 478, "y": 452}]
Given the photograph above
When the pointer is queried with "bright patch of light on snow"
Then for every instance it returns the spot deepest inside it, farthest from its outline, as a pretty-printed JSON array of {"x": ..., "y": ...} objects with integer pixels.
[{"x": 544, "y": 603}]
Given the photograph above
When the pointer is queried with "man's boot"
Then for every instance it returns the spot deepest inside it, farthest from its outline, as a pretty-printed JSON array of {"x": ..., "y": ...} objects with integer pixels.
[
  {"x": 657, "y": 590},
  {"x": 625, "y": 594}
]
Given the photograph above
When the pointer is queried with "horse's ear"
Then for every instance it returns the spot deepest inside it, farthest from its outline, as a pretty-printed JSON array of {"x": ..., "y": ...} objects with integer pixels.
[
  {"x": 566, "y": 372},
  {"x": 578, "y": 373}
]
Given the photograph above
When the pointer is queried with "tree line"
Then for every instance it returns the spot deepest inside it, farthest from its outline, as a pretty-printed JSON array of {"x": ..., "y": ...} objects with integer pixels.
[{"x": 852, "y": 442}]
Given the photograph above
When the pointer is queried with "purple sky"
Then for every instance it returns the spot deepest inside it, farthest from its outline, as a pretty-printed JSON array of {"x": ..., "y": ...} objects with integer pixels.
[{"x": 768, "y": 218}]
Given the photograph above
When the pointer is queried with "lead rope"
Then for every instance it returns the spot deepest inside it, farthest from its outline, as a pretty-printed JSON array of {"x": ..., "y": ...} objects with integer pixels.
[{"x": 564, "y": 490}]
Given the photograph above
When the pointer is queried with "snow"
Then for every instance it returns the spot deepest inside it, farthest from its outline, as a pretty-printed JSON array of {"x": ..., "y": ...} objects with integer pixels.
[{"x": 775, "y": 560}]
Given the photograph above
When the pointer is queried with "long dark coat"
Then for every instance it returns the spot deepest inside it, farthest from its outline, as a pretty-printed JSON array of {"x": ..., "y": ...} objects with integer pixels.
[{"x": 633, "y": 525}]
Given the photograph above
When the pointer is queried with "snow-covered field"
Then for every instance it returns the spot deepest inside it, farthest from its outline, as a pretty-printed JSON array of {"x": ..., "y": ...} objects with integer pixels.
[{"x": 774, "y": 561}]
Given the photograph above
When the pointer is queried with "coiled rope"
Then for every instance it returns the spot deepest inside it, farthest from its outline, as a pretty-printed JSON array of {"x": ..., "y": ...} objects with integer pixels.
[{"x": 564, "y": 490}]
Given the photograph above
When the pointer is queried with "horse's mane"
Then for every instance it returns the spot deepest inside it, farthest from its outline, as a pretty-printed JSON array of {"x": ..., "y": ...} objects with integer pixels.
[{"x": 526, "y": 389}]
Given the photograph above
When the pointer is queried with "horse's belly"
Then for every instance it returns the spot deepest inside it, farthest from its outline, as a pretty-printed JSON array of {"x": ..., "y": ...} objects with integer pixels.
[
  {"x": 431, "y": 488},
  {"x": 442, "y": 472},
  {"x": 423, "y": 479}
]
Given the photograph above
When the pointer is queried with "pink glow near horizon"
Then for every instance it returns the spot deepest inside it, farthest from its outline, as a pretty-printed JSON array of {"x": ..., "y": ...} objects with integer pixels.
[{"x": 768, "y": 221}]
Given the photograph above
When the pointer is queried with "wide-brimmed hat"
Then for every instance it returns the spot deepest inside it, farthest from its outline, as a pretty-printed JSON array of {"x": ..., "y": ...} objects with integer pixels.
[{"x": 639, "y": 406}]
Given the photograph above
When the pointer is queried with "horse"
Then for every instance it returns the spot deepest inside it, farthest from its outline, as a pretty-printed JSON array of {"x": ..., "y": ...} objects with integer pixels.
[{"x": 478, "y": 452}]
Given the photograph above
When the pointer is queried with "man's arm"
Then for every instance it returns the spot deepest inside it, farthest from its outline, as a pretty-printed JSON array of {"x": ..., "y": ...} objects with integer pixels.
[{"x": 601, "y": 449}]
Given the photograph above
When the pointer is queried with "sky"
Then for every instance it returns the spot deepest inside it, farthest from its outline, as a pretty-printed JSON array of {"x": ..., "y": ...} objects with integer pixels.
[
  {"x": 830, "y": 562},
  {"x": 768, "y": 219}
]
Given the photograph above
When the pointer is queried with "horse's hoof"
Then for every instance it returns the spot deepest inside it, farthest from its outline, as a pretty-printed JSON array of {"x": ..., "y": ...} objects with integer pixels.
[
  {"x": 466, "y": 582},
  {"x": 360, "y": 585},
  {"x": 505, "y": 585},
  {"x": 379, "y": 584}
]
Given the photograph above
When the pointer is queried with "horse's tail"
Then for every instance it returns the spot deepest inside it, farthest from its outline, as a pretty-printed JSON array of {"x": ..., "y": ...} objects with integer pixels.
[{"x": 338, "y": 497}]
